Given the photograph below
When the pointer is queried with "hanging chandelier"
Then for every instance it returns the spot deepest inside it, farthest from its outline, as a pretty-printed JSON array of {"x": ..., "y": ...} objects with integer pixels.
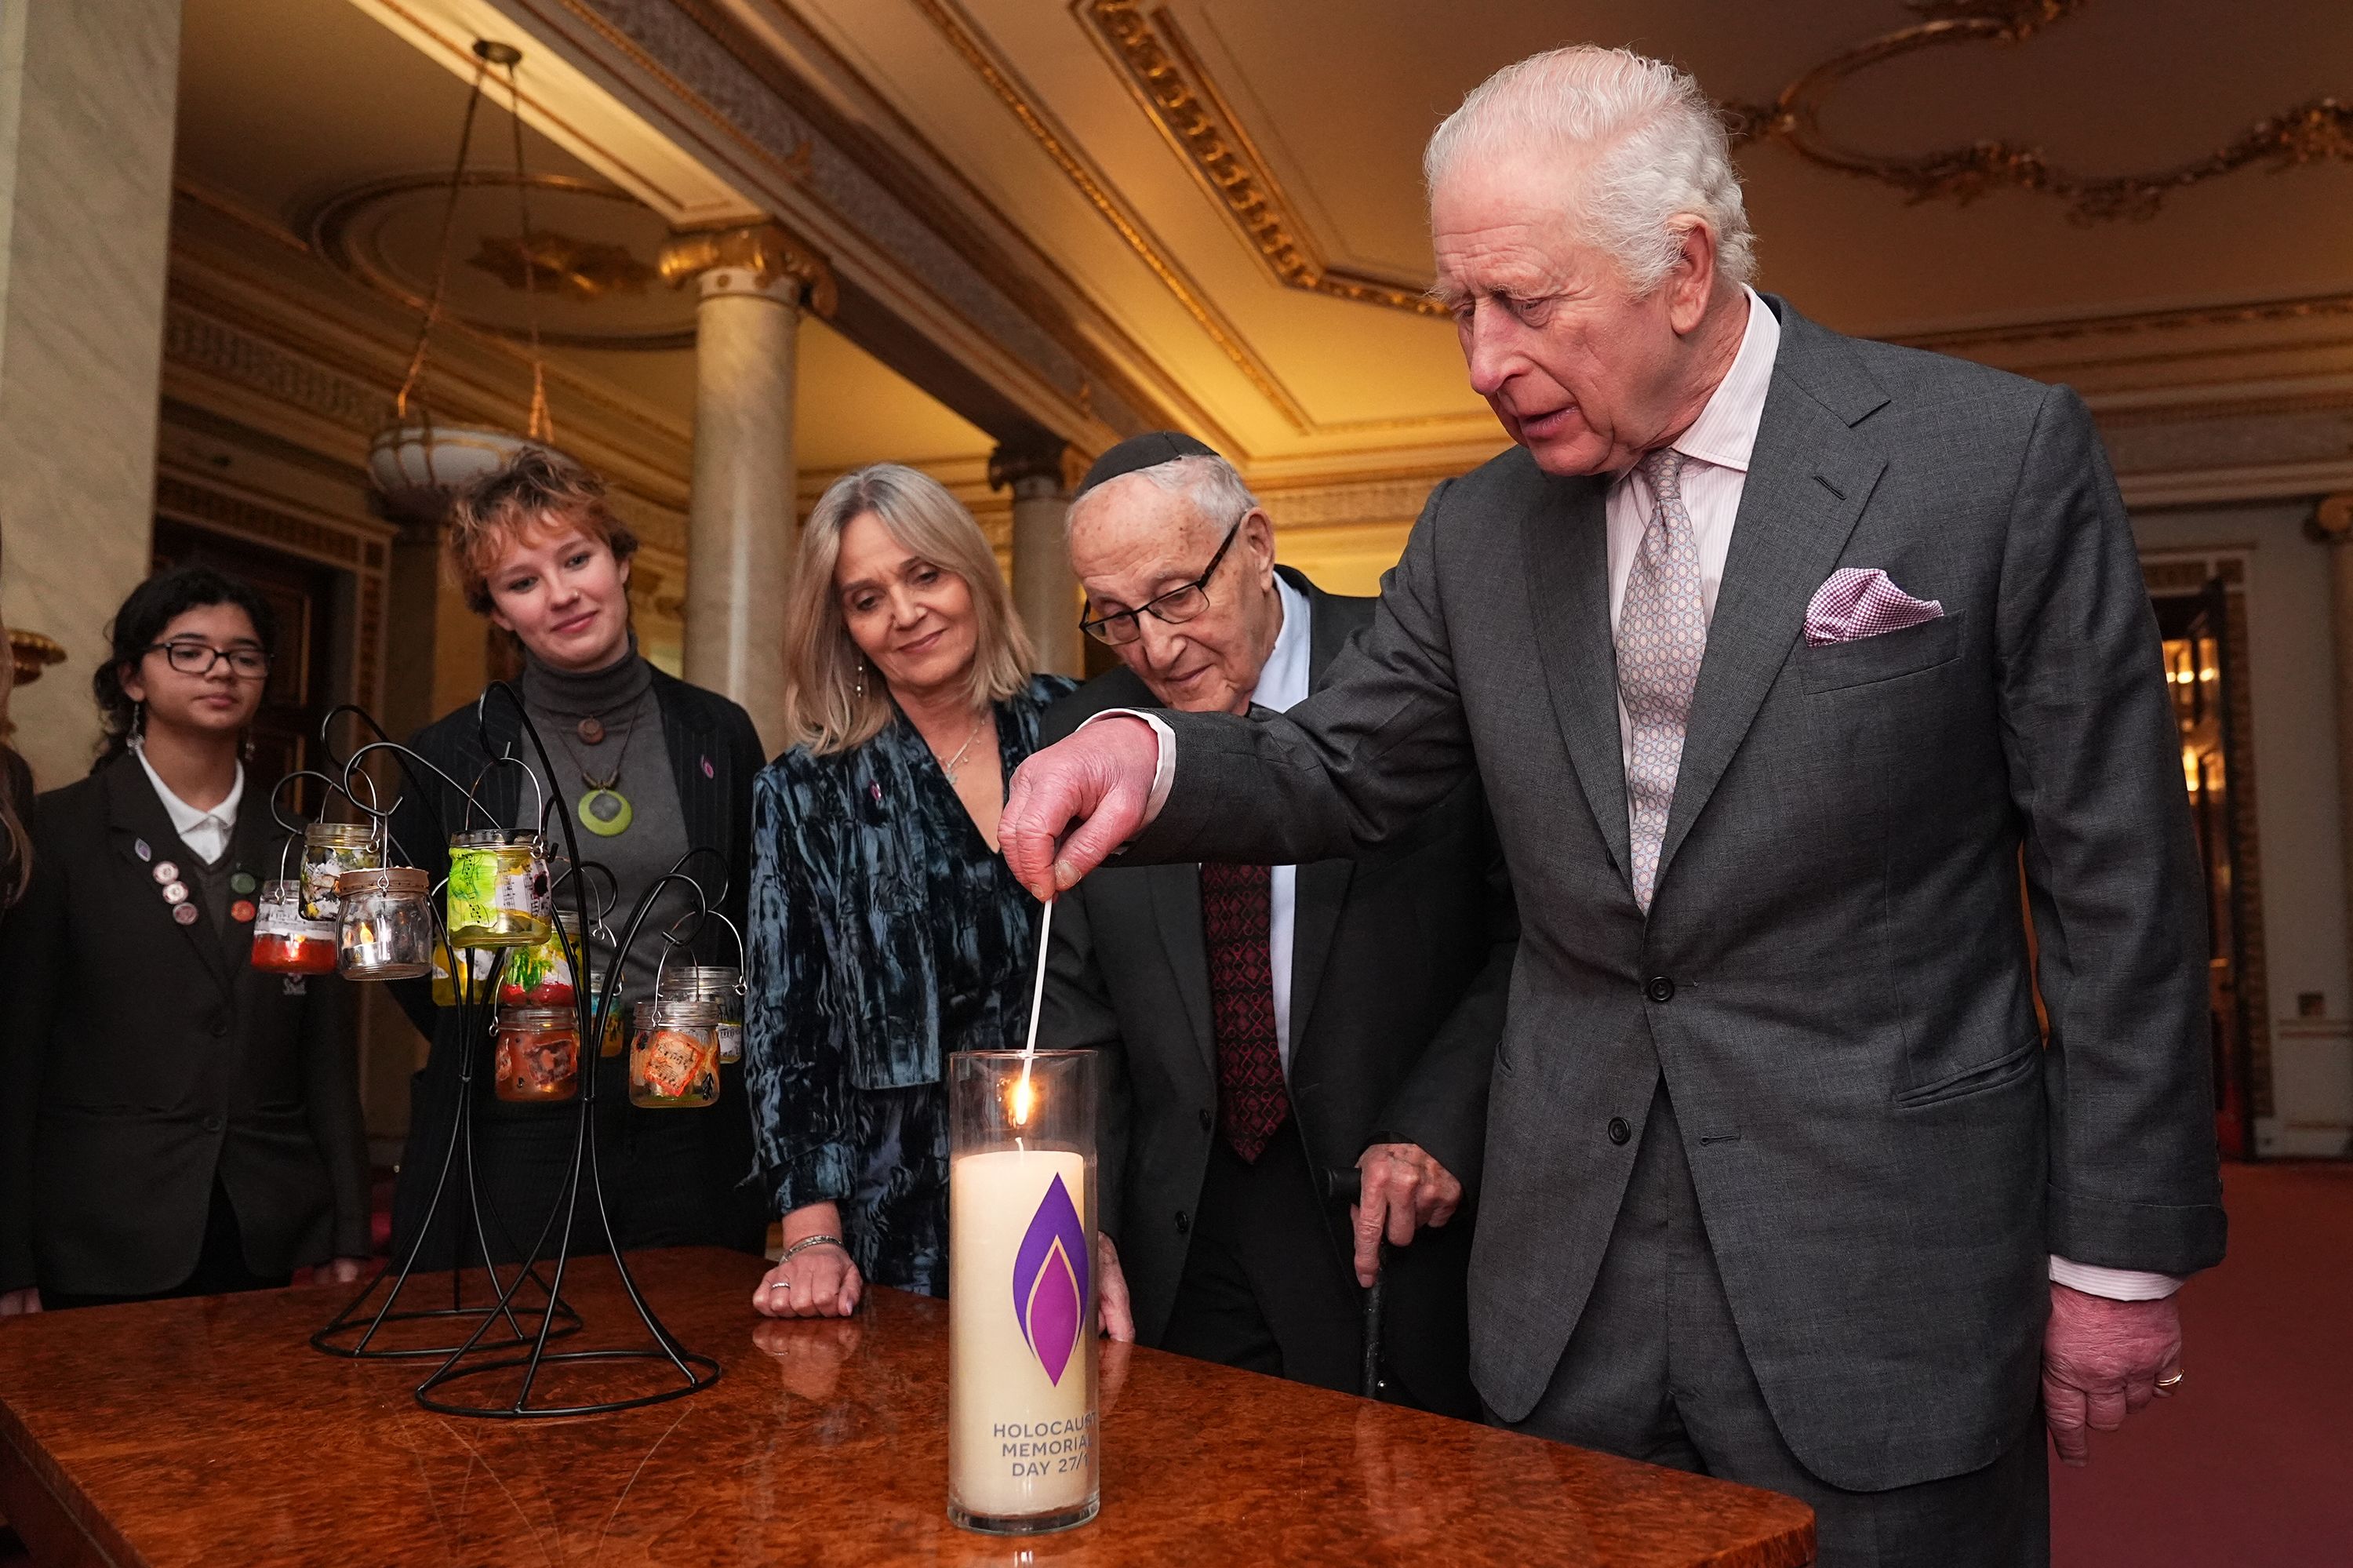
[{"x": 417, "y": 462}]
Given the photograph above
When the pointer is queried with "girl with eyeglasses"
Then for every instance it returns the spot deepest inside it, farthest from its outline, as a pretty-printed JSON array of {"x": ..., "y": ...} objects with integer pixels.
[{"x": 176, "y": 1122}]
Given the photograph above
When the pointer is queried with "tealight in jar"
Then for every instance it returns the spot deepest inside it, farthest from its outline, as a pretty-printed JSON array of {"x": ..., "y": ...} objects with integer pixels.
[
  {"x": 674, "y": 1059},
  {"x": 384, "y": 927},
  {"x": 498, "y": 890},
  {"x": 538, "y": 1055},
  {"x": 609, "y": 1044},
  {"x": 540, "y": 975},
  {"x": 712, "y": 983},
  {"x": 329, "y": 850},
  {"x": 285, "y": 943}
]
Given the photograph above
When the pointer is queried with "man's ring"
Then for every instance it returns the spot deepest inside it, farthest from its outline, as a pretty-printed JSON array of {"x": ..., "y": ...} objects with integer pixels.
[
  {"x": 2170, "y": 1384},
  {"x": 788, "y": 1285}
]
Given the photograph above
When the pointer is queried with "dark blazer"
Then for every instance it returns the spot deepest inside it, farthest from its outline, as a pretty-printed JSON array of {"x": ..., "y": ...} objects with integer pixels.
[
  {"x": 689, "y": 1164},
  {"x": 1833, "y": 977},
  {"x": 142, "y": 1056},
  {"x": 1400, "y": 964}
]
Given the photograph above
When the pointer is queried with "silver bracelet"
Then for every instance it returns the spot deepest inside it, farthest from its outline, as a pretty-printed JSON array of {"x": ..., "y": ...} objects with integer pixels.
[{"x": 806, "y": 1243}]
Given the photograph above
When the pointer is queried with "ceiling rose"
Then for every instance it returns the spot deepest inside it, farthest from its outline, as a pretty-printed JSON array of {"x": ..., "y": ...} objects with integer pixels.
[{"x": 590, "y": 255}]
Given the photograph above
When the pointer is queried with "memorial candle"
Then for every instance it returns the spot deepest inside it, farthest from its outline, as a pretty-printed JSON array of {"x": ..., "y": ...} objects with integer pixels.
[{"x": 1022, "y": 1442}]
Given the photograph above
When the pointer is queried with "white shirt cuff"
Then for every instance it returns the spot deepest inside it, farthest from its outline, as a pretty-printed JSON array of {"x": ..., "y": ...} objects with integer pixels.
[
  {"x": 1164, "y": 772},
  {"x": 2115, "y": 1284}
]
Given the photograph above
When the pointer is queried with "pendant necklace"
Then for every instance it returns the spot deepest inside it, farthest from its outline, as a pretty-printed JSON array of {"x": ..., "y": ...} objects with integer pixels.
[
  {"x": 603, "y": 809},
  {"x": 953, "y": 763}
]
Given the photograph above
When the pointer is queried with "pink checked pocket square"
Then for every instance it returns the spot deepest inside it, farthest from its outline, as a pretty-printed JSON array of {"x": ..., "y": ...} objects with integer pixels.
[{"x": 1856, "y": 602}]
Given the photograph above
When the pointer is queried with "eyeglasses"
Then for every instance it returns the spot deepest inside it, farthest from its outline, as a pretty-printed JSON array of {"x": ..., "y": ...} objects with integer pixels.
[
  {"x": 1174, "y": 607},
  {"x": 199, "y": 659}
]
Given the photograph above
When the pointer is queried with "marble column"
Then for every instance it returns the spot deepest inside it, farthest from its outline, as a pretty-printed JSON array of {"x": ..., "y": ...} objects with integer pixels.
[
  {"x": 741, "y": 519},
  {"x": 86, "y": 97},
  {"x": 1045, "y": 594}
]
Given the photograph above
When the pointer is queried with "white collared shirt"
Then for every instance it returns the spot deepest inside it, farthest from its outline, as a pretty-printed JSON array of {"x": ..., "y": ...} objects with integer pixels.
[
  {"x": 1281, "y": 686},
  {"x": 207, "y": 833}
]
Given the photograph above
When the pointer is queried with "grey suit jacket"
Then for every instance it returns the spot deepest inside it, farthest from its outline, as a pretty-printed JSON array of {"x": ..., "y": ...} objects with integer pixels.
[
  {"x": 1833, "y": 978},
  {"x": 1399, "y": 965}
]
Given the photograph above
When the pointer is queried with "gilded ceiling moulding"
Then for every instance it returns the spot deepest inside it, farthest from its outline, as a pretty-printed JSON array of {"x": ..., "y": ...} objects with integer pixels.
[
  {"x": 2310, "y": 133},
  {"x": 1161, "y": 68}
]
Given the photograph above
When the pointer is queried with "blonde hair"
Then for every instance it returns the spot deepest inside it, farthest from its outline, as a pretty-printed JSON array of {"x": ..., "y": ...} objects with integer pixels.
[
  {"x": 534, "y": 489},
  {"x": 831, "y": 704}
]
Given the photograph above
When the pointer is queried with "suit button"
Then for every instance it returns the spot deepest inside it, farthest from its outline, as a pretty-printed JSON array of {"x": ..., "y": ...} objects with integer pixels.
[
  {"x": 1207, "y": 1121},
  {"x": 212, "y": 1124},
  {"x": 1184, "y": 1223},
  {"x": 1619, "y": 1132},
  {"x": 1659, "y": 990},
  {"x": 220, "y": 1027}
]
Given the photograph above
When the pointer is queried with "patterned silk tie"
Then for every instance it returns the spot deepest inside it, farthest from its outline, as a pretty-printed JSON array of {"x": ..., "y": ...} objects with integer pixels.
[
  {"x": 1237, "y": 913},
  {"x": 1661, "y": 635}
]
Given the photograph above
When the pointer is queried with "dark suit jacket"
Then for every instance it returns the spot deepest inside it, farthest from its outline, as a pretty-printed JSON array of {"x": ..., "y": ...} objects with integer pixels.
[
  {"x": 1833, "y": 976},
  {"x": 141, "y": 1055},
  {"x": 1398, "y": 964},
  {"x": 685, "y": 1188}
]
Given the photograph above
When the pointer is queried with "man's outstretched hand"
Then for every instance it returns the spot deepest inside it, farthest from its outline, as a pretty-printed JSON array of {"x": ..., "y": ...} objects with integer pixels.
[
  {"x": 2102, "y": 1360},
  {"x": 1095, "y": 785}
]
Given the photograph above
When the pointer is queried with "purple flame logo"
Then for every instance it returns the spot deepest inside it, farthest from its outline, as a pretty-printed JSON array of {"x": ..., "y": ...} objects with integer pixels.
[{"x": 1050, "y": 1281}]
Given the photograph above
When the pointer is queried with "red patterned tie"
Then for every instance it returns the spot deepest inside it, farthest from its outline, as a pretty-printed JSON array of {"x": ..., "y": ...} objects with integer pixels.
[{"x": 1236, "y": 909}]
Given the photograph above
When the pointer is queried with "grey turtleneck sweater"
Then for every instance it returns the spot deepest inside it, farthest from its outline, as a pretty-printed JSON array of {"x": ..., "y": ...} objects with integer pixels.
[{"x": 622, "y": 699}]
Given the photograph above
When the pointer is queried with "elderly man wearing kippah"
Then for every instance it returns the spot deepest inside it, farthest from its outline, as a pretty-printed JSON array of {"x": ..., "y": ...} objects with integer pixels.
[{"x": 1267, "y": 1024}]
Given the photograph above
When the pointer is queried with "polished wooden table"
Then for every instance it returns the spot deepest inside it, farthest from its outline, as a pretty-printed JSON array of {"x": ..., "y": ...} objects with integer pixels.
[{"x": 209, "y": 1432}]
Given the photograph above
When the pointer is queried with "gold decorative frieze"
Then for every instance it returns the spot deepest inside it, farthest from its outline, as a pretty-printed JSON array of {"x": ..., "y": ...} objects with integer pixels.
[
  {"x": 763, "y": 250},
  {"x": 2310, "y": 133},
  {"x": 1161, "y": 67},
  {"x": 554, "y": 264},
  {"x": 29, "y": 653}
]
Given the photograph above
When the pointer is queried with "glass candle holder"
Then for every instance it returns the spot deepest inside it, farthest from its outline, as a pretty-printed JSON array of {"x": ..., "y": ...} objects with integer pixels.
[
  {"x": 498, "y": 890},
  {"x": 540, "y": 975},
  {"x": 448, "y": 963},
  {"x": 283, "y": 941},
  {"x": 329, "y": 850},
  {"x": 384, "y": 925},
  {"x": 713, "y": 983},
  {"x": 674, "y": 1059},
  {"x": 609, "y": 1044},
  {"x": 1023, "y": 1450},
  {"x": 538, "y": 1056}
]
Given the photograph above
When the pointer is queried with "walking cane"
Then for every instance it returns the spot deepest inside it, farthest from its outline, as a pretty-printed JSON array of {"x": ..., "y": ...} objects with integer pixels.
[{"x": 1343, "y": 1187}]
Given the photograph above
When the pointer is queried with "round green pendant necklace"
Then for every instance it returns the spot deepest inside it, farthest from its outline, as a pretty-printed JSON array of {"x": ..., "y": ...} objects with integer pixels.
[{"x": 603, "y": 809}]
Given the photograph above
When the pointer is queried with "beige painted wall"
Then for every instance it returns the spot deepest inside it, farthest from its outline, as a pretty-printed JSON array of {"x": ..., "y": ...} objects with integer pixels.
[{"x": 86, "y": 120}]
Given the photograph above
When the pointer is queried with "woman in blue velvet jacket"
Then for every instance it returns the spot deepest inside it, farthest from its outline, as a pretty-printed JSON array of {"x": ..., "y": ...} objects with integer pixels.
[{"x": 884, "y": 930}]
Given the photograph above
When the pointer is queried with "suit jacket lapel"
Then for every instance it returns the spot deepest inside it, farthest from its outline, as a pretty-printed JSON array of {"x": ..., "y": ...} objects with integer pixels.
[
  {"x": 1810, "y": 476},
  {"x": 1176, "y": 904},
  {"x": 1322, "y": 889},
  {"x": 134, "y": 813},
  {"x": 1566, "y": 541}
]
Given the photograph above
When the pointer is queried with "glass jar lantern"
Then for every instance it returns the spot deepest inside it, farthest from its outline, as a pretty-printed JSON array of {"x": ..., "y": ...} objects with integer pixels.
[
  {"x": 329, "y": 850},
  {"x": 674, "y": 1059},
  {"x": 541, "y": 975},
  {"x": 384, "y": 924},
  {"x": 283, "y": 941},
  {"x": 538, "y": 1058},
  {"x": 498, "y": 890},
  {"x": 715, "y": 983},
  {"x": 609, "y": 1044}
]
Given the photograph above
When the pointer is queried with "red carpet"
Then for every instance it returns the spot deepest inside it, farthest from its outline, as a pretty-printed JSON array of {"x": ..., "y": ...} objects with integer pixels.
[{"x": 2252, "y": 1464}]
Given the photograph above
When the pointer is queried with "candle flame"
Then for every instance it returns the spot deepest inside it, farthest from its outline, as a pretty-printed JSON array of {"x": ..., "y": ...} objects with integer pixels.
[{"x": 1022, "y": 1101}]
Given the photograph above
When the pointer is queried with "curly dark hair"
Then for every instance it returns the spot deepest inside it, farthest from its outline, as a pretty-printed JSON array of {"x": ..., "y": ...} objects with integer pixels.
[{"x": 152, "y": 606}]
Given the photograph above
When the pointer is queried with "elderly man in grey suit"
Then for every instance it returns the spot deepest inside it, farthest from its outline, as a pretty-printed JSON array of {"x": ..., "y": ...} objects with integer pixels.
[{"x": 1779, "y": 654}]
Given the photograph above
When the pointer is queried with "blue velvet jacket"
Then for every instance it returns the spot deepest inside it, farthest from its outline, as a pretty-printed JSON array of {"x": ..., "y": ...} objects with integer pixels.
[{"x": 883, "y": 934}]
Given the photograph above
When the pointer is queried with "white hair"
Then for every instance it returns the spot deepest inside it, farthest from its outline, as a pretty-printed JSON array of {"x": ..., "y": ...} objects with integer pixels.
[
  {"x": 1213, "y": 485},
  {"x": 1655, "y": 151}
]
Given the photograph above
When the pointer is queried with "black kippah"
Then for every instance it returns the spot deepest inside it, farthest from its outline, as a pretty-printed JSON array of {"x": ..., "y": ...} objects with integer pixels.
[{"x": 1142, "y": 451}]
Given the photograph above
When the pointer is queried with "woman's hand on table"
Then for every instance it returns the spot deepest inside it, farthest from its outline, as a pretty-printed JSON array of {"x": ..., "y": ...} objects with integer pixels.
[
  {"x": 819, "y": 1280},
  {"x": 343, "y": 1270},
  {"x": 1113, "y": 1315},
  {"x": 17, "y": 1303}
]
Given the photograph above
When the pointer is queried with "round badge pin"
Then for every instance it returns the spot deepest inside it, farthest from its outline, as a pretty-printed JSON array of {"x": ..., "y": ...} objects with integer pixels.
[
  {"x": 241, "y": 911},
  {"x": 242, "y": 883},
  {"x": 165, "y": 872},
  {"x": 184, "y": 913},
  {"x": 177, "y": 893}
]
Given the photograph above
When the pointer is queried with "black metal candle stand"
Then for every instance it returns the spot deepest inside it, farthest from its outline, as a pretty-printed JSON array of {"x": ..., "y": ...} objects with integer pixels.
[{"x": 510, "y": 1332}]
